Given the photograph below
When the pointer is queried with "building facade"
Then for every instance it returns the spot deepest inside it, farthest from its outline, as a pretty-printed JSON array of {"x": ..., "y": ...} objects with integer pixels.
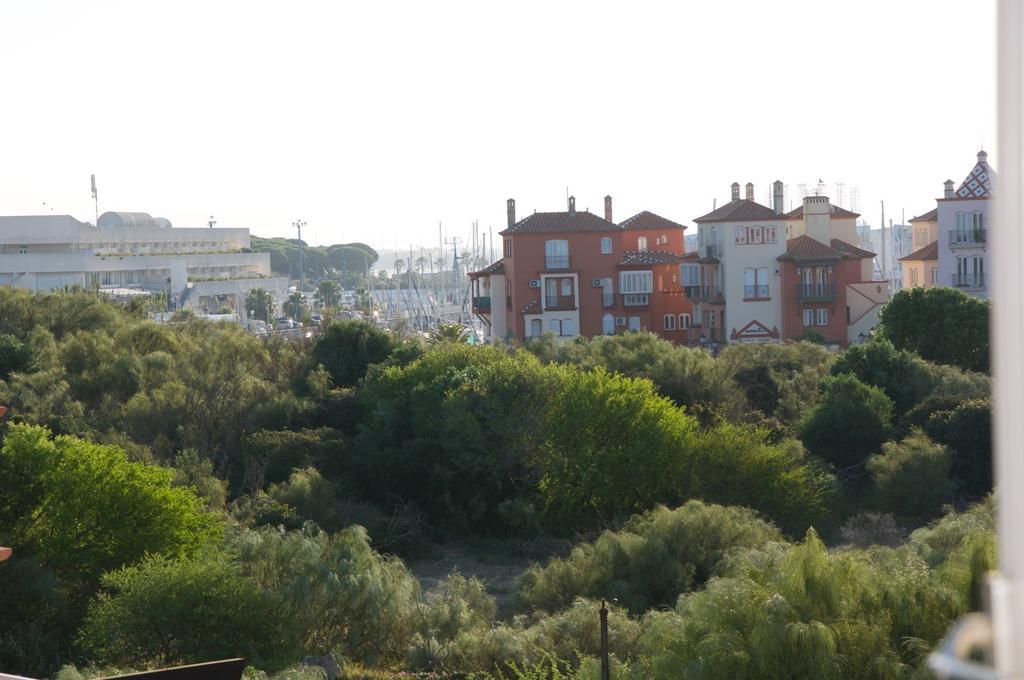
[
  {"x": 921, "y": 267},
  {"x": 574, "y": 273},
  {"x": 762, "y": 275},
  {"x": 198, "y": 268}
]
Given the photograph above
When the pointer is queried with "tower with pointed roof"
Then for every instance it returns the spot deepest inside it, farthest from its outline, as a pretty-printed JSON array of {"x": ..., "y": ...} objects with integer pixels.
[{"x": 963, "y": 216}]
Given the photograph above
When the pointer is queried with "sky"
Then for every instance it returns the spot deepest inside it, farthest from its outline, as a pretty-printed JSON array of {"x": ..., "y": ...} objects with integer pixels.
[{"x": 378, "y": 121}]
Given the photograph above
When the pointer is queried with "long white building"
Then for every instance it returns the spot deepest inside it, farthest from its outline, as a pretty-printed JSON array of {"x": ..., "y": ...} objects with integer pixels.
[{"x": 198, "y": 267}]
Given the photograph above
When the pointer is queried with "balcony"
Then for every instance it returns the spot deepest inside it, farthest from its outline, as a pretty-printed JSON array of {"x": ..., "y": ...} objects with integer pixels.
[
  {"x": 709, "y": 252},
  {"x": 608, "y": 299},
  {"x": 556, "y": 261},
  {"x": 967, "y": 237},
  {"x": 974, "y": 280},
  {"x": 636, "y": 299},
  {"x": 816, "y": 292},
  {"x": 482, "y": 305},
  {"x": 703, "y": 293},
  {"x": 559, "y": 302},
  {"x": 755, "y": 292}
]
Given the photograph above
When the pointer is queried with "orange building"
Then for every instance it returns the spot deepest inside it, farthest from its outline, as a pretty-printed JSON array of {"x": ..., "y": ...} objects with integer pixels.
[{"x": 574, "y": 273}]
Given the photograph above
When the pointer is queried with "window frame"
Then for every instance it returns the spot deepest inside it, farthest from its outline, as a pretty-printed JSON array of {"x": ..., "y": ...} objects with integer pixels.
[
  {"x": 669, "y": 322},
  {"x": 808, "y": 318},
  {"x": 821, "y": 316},
  {"x": 685, "y": 321},
  {"x": 606, "y": 245}
]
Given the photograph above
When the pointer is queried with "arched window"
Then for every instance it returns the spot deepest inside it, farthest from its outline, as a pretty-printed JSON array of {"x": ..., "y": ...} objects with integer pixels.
[{"x": 608, "y": 324}]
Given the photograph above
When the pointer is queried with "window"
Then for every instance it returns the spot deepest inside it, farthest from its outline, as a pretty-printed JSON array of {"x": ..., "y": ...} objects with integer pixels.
[
  {"x": 607, "y": 292},
  {"x": 755, "y": 283},
  {"x": 634, "y": 323},
  {"x": 608, "y": 324},
  {"x": 23, "y": 250},
  {"x": 606, "y": 245},
  {"x": 566, "y": 287},
  {"x": 641, "y": 244},
  {"x": 935, "y": 274},
  {"x": 769, "y": 234},
  {"x": 555, "y": 326},
  {"x": 556, "y": 254},
  {"x": 535, "y": 327},
  {"x": 913, "y": 276},
  {"x": 636, "y": 281},
  {"x": 690, "y": 274},
  {"x": 757, "y": 234},
  {"x": 670, "y": 322},
  {"x": 822, "y": 317},
  {"x": 684, "y": 321},
  {"x": 568, "y": 327},
  {"x": 808, "y": 317},
  {"x": 740, "y": 236},
  {"x": 508, "y": 247}
]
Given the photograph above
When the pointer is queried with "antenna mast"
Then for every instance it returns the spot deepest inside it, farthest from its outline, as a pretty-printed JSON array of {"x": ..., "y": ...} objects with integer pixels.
[{"x": 299, "y": 224}]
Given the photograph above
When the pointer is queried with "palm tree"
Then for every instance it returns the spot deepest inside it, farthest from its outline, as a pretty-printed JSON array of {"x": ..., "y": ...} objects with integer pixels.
[
  {"x": 450, "y": 332},
  {"x": 259, "y": 303},
  {"x": 328, "y": 293},
  {"x": 294, "y": 305},
  {"x": 421, "y": 264}
]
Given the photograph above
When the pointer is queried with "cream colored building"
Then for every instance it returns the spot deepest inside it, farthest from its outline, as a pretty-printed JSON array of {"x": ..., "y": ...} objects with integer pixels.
[{"x": 196, "y": 267}]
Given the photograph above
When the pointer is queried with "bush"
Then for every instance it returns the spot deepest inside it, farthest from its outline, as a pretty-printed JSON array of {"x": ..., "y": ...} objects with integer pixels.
[
  {"x": 967, "y": 430},
  {"x": 850, "y": 422},
  {"x": 912, "y": 477},
  {"x": 164, "y": 611},
  {"x": 657, "y": 556},
  {"x": 779, "y": 380},
  {"x": 15, "y": 356},
  {"x": 940, "y": 324},
  {"x": 347, "y": 348}
]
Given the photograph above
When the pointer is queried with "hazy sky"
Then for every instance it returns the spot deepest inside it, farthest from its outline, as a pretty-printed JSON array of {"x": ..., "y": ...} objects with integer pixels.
[{"x": 374, "y": 121}]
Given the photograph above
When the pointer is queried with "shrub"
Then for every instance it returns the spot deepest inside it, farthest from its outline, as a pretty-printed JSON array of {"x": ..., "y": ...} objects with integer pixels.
[
  {"x": 912, "y": 477},
  {"x": 967, "y": 430},
  {"x": 940, "y": 324},
  {"x": 850, "y": 422},
  {"x": 347, "y": 348},
  {"x": 657, "y": 556},
  {"x": 15, "y": 356}
]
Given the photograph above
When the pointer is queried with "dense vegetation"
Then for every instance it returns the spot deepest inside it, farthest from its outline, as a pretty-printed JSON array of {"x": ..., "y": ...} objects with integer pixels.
[
  {"x": 350, "y": 261},
  {"x": 184, "y": 492}
]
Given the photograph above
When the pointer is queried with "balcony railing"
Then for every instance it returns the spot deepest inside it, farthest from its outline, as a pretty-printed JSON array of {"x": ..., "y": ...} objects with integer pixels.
[
  {"x": 608, "y": 299},
  {"x": 710, "y": 250},
  {"x": 559, "y": 302},
  {"x": 809, "y": 292},
  {"x": 972, "y": 280},
  {"x": 556, "y": 261},
  {"x": 755, "y": 292},
  {"x": 967, "y": 237},
  {"x": 482, "y": 304},
  {"x": 703, "y": 293},
  {"x": 636, "y": 299}
]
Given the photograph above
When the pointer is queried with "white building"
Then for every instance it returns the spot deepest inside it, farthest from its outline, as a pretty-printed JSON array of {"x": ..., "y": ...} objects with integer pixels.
[
  {"x": 963, "y": 217},
  {"x": 198, "y": 268}
]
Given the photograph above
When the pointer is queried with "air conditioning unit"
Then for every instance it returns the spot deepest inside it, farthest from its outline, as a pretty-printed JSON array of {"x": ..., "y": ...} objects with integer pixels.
[
  {"x": 534, "y": 283},
  {"x": 620, "y": 321},
  {"x": 597, "y": 283}
]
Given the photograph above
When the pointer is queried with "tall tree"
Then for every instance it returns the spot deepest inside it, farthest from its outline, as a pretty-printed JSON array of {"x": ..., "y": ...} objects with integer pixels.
[
  {"x": 259, "y": 303},
  {"x": 328, "y": 293},
  {"x": 295, "y": 305},
  {"x": 940, "y": 324}
]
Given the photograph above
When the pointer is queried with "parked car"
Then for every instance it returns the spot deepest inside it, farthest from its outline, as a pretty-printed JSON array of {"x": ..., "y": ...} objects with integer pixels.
[
  {"x": 316, "y": 320},
  {"x": 283, "y": 324}
]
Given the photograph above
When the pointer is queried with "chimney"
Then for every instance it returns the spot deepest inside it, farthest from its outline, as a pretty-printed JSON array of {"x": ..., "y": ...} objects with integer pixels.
[
  {"x": 511, "y": 212},
  {"x": 608, "y": 208},
  {"x": 947, "y": 189},
  {"x": 777, "y": 196},
  {"x": 572, "y": 205},
  {"x": 735, "y": 191},
  {"x": 750, "y": 191}
]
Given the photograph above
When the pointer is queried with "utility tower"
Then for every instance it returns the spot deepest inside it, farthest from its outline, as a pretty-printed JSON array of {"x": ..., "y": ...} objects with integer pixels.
[{"x": 299, "y": 224}]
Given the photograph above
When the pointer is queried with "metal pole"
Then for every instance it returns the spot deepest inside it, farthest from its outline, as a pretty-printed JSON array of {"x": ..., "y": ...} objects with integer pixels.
[{"x": 606, "y": 672}]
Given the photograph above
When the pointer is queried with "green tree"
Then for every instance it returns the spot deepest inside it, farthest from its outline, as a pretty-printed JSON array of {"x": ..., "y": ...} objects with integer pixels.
[
  {"x": 849, "y": 423},
  {"x": 450, "y": 332},
  {"x": 259, "y": 303},
  {"x": 15, "y": 356},
  {"x": 898, "y": 373},
  {"x": 940, "y": 324},
  {"x": 347, "y": 348},
  {"x": 167, "y": 611},
  {"x": 967, "y": 430},
  {"x": 328, "y": 293},
  {"x": 295, "y": 306},
  {"x": 912, "y": 477}
]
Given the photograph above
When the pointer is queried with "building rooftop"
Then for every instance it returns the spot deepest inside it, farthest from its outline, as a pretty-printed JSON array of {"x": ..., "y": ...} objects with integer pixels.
[
  {"x": 978, "y": 183},
  {"x": 836, "y": 211},
  {"x": 929, "y": 252},
  {"x": 930, "y": 216},
  {"x": 740, "y": 210},
  {"x": 493, "y": 268},
  {"x": 648, "y": 221},
  {"x": 850, "y": 250},
  {"x": 805, "y": 248},
  {"x": 560, "y": 223}
]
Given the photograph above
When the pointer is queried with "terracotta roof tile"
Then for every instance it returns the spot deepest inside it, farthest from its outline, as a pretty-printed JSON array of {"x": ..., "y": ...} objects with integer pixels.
[
  {"x": 632, "y": 257},
  {"x": 850, "y": 250},
  {"x": 692, "y": 255},
  {"x": 493, "y": 268},
  {"x": 560, "y": 223},
  {"x": 836, "y": 211},
  {"x": 805, "y": 248},
  {"x": 648, "y": 221},
  {"x": 930, "y": 216},
  {"x": 740, "y": 210},
  {"x": 929, "y": 252}
]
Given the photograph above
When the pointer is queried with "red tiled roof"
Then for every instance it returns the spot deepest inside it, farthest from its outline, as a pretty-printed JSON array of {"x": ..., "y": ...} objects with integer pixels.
[
  {"x": 850, "y": 250},
  {"x": 740, "y": 210},
  {"x": 692, "y": 255},
  {"x": 930, "y": 216},
  {"x": 631, "y": 257},
  {"x": 493, "y": 268},
  {"x": 560, "y": 223},
  {"x": 929, "y": 252},
  {"x": 804, "y": 248},
  {"x": 648, "y": 221},
  {"x": 835, "y": 210}
]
